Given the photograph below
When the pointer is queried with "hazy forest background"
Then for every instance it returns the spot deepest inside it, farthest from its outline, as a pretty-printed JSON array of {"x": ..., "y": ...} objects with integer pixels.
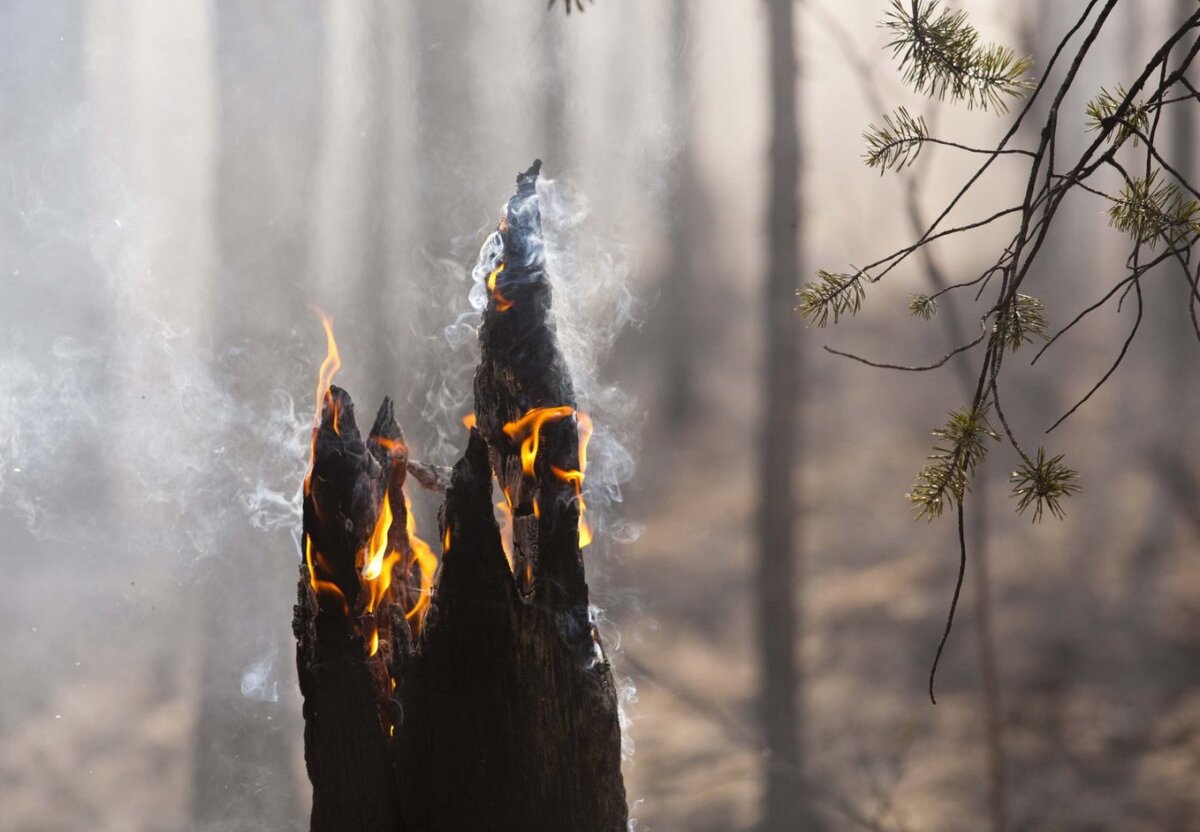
[{"x": 181, "y": 182}]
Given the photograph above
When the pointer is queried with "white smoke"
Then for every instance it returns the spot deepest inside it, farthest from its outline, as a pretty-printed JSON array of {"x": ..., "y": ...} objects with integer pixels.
[{"x": 257, "y": 681}]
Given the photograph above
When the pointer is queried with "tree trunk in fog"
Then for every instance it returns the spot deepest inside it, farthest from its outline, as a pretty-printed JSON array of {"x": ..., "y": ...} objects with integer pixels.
[
  {"x": 267, "y": 61},
  {"x": 681, "y": 280},
  {"x": 784, "y": 803},
  {"x": 377, "y": 167},
  {"x": 554, "y": 93},
  {"x": 1183, "y": 350}
]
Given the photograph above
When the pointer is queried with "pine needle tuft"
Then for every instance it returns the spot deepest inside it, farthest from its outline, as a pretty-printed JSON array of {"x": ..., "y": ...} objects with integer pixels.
[
  {"x": 1149, "y": 210},
  {"x": 922, "y": 306},
  {"x": 1043, "y": 483},
  {"x": 1102, "y": 109},
  {"x": 1022, "y": 320}
]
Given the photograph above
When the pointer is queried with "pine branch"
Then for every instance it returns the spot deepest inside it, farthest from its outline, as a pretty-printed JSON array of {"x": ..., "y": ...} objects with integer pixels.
[
  {"x": 941, "y": 55},
  {"x": 1102, "y": 110},
  {"x": 1149, "y": 210},
  {"x": 922, "y": 306},
  {"x": 831, "y": 295},
  {"x": 895, "y": 142},
  {"x": 1021, "y": 321},
  {"x": 960, "y": 449}
]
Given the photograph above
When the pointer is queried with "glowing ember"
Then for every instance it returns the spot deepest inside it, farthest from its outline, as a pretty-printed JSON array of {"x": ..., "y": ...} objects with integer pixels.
[{"x": 391, "y": 445}]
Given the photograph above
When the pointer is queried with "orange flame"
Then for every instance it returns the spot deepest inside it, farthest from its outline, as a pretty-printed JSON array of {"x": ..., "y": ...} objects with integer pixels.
[
  {"x": 320, "y": 585},
  {"x": 576, "y": 479},
  {"x": 468, "y": 421},
  {"x": 391, "y": 445},
  {"x": 528, "y": 428},
  {"x": 527, "y": 431},
  {"x": 378, "y": 560},
  {"x": 425, "y": 560},
  {"x": 503, "y": 304},
  {"x": 329, "y": 367}
]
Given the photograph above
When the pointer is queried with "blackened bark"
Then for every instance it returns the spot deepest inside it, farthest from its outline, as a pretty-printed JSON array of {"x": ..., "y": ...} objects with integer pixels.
[
  {"x": 345, "y": 693},
  {"x": 502, "y": 713}
]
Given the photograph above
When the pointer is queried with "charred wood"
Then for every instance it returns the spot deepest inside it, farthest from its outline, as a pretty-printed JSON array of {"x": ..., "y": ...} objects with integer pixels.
[{"x": 480, "y": 700}]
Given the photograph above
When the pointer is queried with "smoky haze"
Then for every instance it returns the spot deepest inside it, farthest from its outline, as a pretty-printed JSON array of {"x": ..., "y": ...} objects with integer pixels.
[{"x": 182, "y": 185}]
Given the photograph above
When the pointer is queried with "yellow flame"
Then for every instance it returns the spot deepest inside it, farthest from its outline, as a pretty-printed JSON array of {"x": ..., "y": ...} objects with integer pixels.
[
  {"x": 425, "y": 560},
  {"x": 527, "y": 430},
  {"x": 378, "y": 560},
  {"x": 503, "y": 304},
  {"x": 506, "y": 529},
  {"x": 329, "y": 366},
  {"x": 468, "y": 421},
  {"x": 446, "y": 541},
  {"x": 374, "y": 648},
  {"x": 576, "y": 479},
  {"x": 308, "y": 559},
  {"x": 491, "y": 280}
]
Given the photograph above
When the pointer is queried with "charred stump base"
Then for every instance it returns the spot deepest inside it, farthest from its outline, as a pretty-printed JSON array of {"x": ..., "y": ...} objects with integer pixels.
[{"x": 477, "y": 697}]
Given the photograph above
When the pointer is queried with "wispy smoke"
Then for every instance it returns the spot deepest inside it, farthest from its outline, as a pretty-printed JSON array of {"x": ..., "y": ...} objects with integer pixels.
[{"x": 257, "y": 682}]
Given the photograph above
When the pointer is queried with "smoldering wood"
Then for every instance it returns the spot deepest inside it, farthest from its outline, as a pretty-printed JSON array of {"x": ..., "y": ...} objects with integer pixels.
[{"x": 496, "y": 710}]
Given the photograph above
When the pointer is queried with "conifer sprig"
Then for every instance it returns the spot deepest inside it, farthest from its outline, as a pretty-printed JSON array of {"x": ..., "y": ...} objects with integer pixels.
[
  {"x": 960, "y": 447},
  {"x": 1020, "y": 321},
  {"x": 941, "y": 55},
  {"x": 922, "y": 306},
  {"x": 896, "y": 141},
  {"x": 1150, "y": 210},
  {"x": 831, "y": 295},
  {"x": 1103, "y": 108},
  {"x": 1043, "y": 483}
]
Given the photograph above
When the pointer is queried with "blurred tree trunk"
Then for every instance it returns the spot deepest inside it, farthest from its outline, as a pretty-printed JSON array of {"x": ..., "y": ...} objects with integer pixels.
[
  {"x": 268, "y": 62},
  {"x": 378, "y": 169},
  {"x": 784, "y": 806},
  {"x": 447, "y": 186},
  {"x": 555, "y": 151},
  {"x": 680, "y": 281},
  {"x": 1183, "y": 350}
]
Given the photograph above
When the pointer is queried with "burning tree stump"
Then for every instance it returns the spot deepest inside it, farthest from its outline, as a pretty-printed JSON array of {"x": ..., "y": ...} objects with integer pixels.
[{"x": 478, "y": 698}]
